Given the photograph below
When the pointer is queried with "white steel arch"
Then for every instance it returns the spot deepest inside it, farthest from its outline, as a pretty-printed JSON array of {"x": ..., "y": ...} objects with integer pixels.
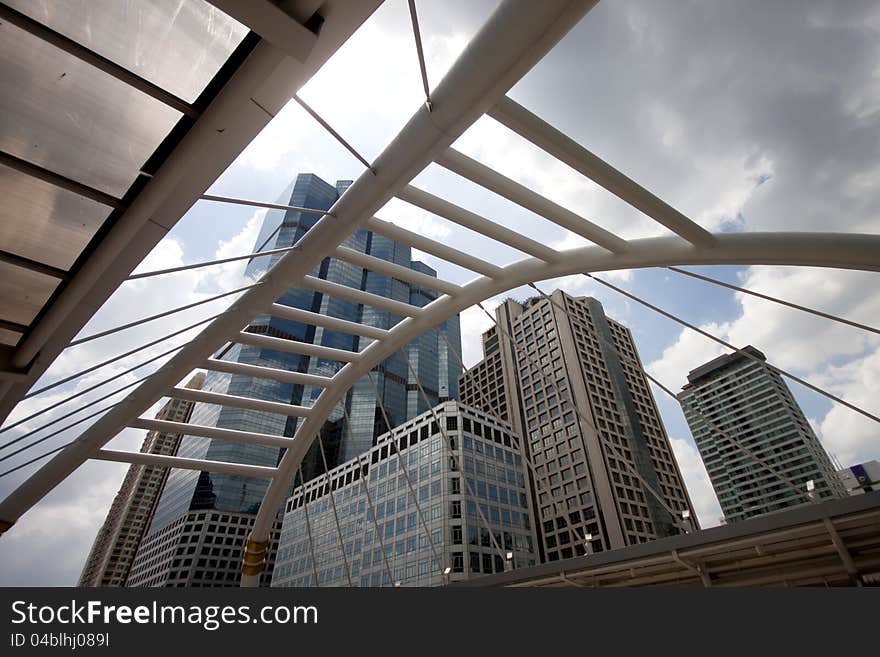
[
  {"x": 804, "y": 249},
  {"x": 513, "y": 40}
]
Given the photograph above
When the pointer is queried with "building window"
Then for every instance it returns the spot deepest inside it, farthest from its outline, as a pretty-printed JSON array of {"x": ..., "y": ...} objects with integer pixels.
[{"x": 487, "y": 563}]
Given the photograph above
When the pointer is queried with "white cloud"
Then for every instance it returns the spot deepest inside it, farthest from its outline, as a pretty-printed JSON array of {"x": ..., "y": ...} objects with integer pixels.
[
  {"x": 687, "y": 352},
  {"x": 697, "y": 481},
  {"x": 499, "y": 148},
  {"x": 49, "y": 545},
  {"x": 841, "y": 359},
  {"x": 474, "y": 322},
  {"x": 286, "y": 133},
  {"x": 798, "y": 340},
  {"x": 230, "y": 275},
  {"x": 415, "y": 219},
  {"x": 849, "y": 436}
]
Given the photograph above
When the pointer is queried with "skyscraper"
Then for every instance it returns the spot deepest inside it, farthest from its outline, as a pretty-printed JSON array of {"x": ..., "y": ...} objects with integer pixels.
[
  {"x": 201, "y": 499},
  {"x": 385, "y": 542},
  {"x": 566, "y": 354},
  {"x": 113, "y": 551},
  {"x": 735, "y": 406}
]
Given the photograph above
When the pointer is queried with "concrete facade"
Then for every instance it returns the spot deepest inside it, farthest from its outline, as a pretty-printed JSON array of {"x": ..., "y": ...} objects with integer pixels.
[
  {"x": 110, "y": 559},
  {"x": 567, "y": 354},
  {"x": 758, "y": 448}
]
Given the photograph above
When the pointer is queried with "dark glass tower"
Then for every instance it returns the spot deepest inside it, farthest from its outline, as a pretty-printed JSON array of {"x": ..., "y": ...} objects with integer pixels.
[{"x": 188, "y": 491}]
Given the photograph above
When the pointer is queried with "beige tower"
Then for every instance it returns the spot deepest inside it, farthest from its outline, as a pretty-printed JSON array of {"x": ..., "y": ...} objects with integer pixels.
[
  {"x": 111, "y": 556},
  {"x": 565, "y": 355}
]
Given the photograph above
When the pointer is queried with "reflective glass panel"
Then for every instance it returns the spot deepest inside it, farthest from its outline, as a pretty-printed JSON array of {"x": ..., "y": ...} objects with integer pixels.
[
  {"x": 66, "y": 116},
  {"x": 23, "y": 292},
  {"x": 43, "y": 222},
  {"x": 8, "y": 337},
  {"x": 178, "y": 45}
]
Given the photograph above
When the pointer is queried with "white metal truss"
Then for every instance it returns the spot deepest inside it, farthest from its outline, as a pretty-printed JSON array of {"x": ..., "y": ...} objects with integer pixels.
[{"x": 515, "y": 37}]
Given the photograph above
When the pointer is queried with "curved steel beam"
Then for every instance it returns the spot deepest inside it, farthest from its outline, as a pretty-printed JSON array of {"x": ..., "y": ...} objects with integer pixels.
[
  {"x": 850, "y": 251},
  {"x": 514, "y": 38}
]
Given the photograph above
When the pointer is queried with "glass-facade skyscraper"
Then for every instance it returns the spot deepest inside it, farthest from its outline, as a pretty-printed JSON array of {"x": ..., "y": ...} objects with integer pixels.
[
  {"x": 191, "y": 491},
  {"x": 464, "y": 489}
]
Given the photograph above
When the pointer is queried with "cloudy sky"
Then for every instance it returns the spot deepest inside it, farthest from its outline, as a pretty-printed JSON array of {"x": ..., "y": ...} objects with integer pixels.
[{"x": 744, "y": 116}]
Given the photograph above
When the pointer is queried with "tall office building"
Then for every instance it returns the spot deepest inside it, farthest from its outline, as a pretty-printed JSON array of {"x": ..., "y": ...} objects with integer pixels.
[
  {"x": 385, "y": 543},
  {"x": 113, "y": 551},
  {"x": 565, "y": 355},
  {"x": 199, "y": 501},
  {"x": 733, "y": 402}
]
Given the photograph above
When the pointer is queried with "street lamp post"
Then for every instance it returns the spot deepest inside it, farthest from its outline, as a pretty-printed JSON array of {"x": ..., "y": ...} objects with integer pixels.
[
  {"x": 588, "y": 543},
  {"x": 686, "y": 518}
]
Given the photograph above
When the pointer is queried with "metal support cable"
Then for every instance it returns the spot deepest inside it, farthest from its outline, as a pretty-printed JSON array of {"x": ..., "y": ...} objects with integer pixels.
[
  {"x": 767, "y": 297},
  {"x": 402, "y": 463},
  {"x": 717, "y": 429},
  {"x": 98, "y": 385},
  {"x": 418, "y": 37},
  {"x": 113, "y": 360},
  {"x": 70, "y": 414},
  {"x": 309, "y": 530},
  {"x": 365, "y": 478},
  {"x": 741, "y": 352},
  {"x": 152, "y": 318},
  {"x": 335, "y": 512},
  {"x": 263, "y": 204},
  {"x": 35, "y": 459},
  {"x": 335, "y": 134},
  {"x": 448, "y": 444},
  {"x": 583, "y": 418},
  {"x": 209, "y": 263},
  {"x": 64, "y": 417},
  {"x": 539, "y": 482},
  {"x": 51, "y": 435},
  {"x": 464, "y": 368}
]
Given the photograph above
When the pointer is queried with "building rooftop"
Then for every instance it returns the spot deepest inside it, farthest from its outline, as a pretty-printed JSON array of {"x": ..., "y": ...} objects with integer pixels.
[{"x": 716, "y": 365}]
